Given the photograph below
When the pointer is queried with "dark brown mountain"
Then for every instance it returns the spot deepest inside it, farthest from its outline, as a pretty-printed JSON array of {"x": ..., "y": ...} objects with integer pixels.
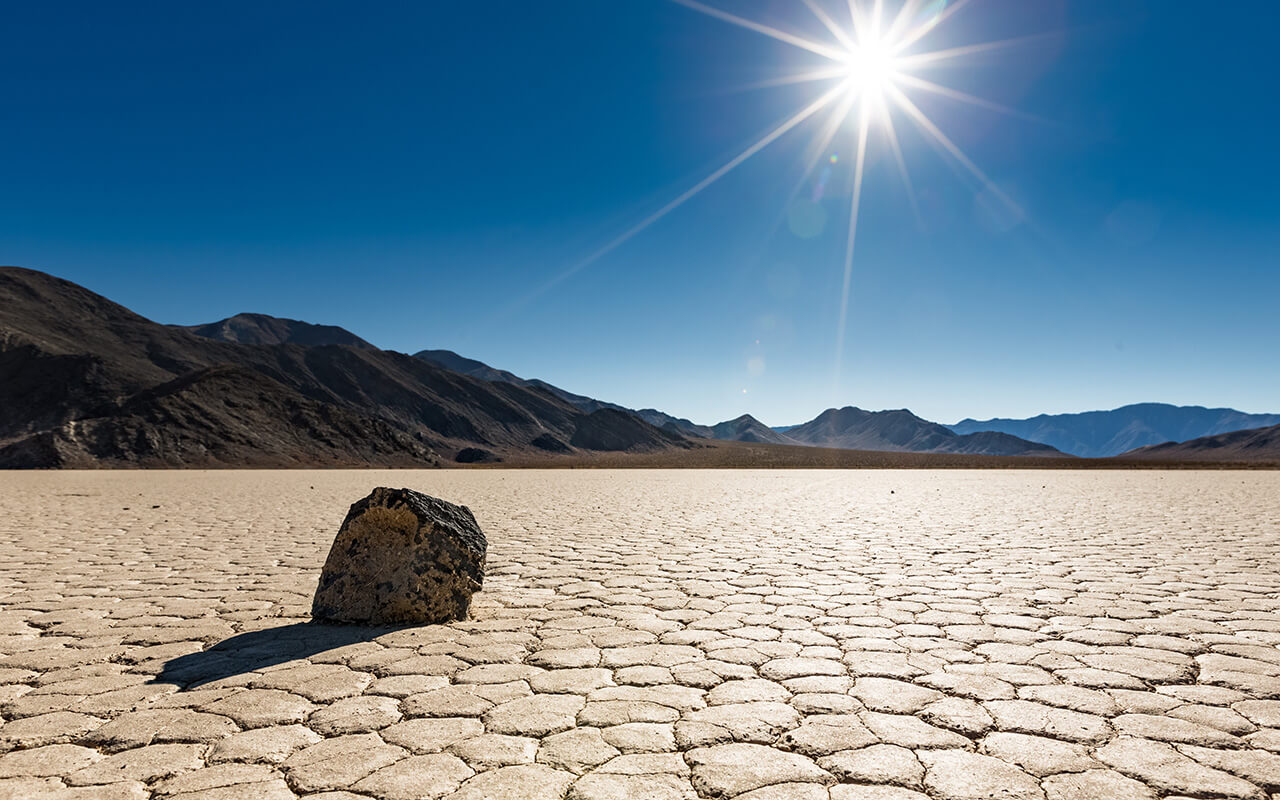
[
  {"x": 263, "y": 329},
  {"x": 1255, "y": 444},
  {"x": 901, "y": 431},
  {"x": 84, "y": 382},
  {"x": 221, "y": 415}
]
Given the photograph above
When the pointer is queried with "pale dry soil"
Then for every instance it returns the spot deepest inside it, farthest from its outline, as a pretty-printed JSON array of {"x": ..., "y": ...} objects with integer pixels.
[{"x": 652, "y": 635}]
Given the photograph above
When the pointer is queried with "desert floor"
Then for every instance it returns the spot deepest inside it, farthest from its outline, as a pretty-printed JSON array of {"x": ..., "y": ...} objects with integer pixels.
[{"x": 877, "y": 635}]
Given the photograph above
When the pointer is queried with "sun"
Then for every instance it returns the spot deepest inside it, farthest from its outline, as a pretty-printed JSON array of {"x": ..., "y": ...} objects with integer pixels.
[{"x": 871, "y": 67}]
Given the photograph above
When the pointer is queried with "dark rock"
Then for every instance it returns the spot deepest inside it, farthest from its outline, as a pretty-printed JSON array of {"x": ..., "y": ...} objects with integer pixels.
[
  {"x": 402, "y": 557},
  {"x": 476, "y": 455}
]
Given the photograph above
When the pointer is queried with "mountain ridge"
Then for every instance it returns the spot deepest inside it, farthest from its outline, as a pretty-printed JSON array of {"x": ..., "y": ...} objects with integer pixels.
[
  {"x": 249, "y": 328},
  {"x": 479, "y": 369},
  {"x": 1101, "y": 434},
  {"x": 85, "y": 381},
  {"x": 898, "y": 430},
  {"x": 1253, "y": 444},
  {"x": 747, "y": 428}
]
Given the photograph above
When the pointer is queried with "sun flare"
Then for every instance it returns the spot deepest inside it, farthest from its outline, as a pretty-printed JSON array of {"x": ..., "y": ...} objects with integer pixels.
[
  {"x": 876, "y": 57},
  {"x": 876, "y": 60}
]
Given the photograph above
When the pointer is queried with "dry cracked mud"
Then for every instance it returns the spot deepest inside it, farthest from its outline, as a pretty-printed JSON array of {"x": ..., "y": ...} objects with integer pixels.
[{"x": 754, "y": 635}]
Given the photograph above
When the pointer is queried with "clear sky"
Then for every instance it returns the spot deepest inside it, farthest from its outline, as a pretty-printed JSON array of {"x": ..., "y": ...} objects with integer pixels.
[{"x": 418, "y": 172}]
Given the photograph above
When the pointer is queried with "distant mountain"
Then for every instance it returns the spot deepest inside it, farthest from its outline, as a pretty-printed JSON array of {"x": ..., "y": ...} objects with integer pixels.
[
  {"x": 1255, "y": 444},
  {"x": 678, "y": 425},
  {"x": 86, "y": 382},
  {"x": 1098, "y": 434},
  {"x": 262, "y": 329},
  {"x": 747, "y": 428},
  {"x": 901, "y": 431},
  {"x": 848, "y": 428}
]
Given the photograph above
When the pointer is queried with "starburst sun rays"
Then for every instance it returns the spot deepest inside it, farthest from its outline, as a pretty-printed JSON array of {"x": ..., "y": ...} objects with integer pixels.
[{"x": 874, "y": 64}]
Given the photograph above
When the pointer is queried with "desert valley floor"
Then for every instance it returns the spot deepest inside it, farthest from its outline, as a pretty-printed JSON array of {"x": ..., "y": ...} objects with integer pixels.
[{"x": 818, "y": 635}]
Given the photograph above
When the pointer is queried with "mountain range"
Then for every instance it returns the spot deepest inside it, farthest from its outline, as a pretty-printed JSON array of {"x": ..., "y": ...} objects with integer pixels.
[
  {"x": 846, "y": 428},
  {"x": 1099, "y": 434},
  {"x": 901, "y": 431},
  {"x": 86, "y": 382}
]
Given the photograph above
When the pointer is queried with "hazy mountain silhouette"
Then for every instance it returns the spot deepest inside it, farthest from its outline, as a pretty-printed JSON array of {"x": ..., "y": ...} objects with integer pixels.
[
  {"x": 85, "y": 381},
  {"x": 1097, "y": 434},
  {"x": 1254, "y": 444},
  {"x": 901, "y": 431}
]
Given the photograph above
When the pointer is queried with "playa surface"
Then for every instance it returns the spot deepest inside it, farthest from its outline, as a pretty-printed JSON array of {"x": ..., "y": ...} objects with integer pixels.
[{"x": 819, "y": 635}]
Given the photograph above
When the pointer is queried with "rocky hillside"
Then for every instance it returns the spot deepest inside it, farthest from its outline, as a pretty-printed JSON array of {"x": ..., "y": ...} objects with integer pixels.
[{"x": 87, "y": 382}]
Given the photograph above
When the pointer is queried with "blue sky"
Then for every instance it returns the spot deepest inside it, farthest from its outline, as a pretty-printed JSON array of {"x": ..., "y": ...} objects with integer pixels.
[{"x": 419, "y": 172}]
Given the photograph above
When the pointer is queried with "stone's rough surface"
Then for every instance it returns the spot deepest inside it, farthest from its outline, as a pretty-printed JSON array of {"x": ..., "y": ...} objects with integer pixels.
[
  {"x": 651, "y": 635},
  {"x": 402, "y": 557}
]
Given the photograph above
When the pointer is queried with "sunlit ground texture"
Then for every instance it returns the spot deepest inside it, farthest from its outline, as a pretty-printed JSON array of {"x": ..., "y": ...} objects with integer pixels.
[{"x": 751, "y": 634}]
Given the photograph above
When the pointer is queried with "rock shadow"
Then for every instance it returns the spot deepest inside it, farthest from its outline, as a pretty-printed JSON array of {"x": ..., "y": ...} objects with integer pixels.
[{"x": 255, "y": 650}]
